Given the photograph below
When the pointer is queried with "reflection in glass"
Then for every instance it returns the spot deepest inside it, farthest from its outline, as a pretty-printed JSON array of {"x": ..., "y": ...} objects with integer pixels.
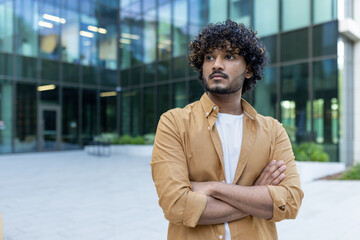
[
  {"x": 26, "y": 114},
  {"x": 49, "y": 70},
  {"x": 217, "y": 11},
  {"x": 6, "y": 25},
  {"x": 70, "y": 118},
  {"x": 324, "y": 10},
  {"x": 295, "y": 109},
  {"x": 325, "y": 38},
  {"x": 265, "y": 94},
  {"x": 179, "y": 97},
  {"x": 70, "y": 72},
  {"x": 130, "y": 113},
  {"x": 180, "y": 27},
  {"x": 89, "y": 115},
  {"x": 5, "y": 116},
  {"x": 26, "y": 67},
  {"x": 88, "y": 38},
  {"x": 149, "y": 41},
  {"x": 70, "y": 37},
  {"x": 270, "y": 45},
  {"x": 164, "y": 31},
  {"x": 26, "y": 26},
  {"x": 149, "y": 110},
  {"x": 180, "y": 66},
  {"x": 163, "y": 101},
  {"x": 163, "y": 70},
  {"x": 49, "y": 30},
  {"x": 6, "y": 64},
  {"x": 290, "y": 47},
  {"x": 266, "y": 16},
  {"x": 295, "y": 14},
  {"x": 239, "y": 11}
]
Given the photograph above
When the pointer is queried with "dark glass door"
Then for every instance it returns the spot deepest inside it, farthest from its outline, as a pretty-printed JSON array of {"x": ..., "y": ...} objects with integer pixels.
[{"x": 49, "y": 128}]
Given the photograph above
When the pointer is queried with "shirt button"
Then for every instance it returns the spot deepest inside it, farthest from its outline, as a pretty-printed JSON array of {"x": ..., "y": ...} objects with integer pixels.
[
  {"x": 214, "y": 107},
  {"x": 207, "y": 114},
  {"x": 209, "y": 128},
  {"x": 220, "y": 236}
]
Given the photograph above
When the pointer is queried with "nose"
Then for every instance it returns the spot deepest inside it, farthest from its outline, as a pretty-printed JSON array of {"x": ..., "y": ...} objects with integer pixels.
[{"x": 218, "y": 64}]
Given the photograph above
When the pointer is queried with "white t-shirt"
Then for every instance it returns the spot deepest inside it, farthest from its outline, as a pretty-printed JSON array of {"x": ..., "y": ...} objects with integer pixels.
[{"x": 230, "y": 129}]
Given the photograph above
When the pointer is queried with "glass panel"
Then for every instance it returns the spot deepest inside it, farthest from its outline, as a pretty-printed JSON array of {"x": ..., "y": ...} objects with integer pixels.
[
  {"x": 265, "y": 94},
  {"x": 164, "y": 31},
  {"x": 196, "y": 90},
  {"x": 239, "y": 11},
  {"x": 26, "y": 67},
  {"x": 326, "y": 106},
  {"x": 108, "y": 78},
  {"x": 89, "y": 75},
  {"x": 163, "y": 72},
  {"x": 270, "y": 45},
  {"x": 6, "y": 25},
  {"x": 5, "y": 116},
  {"x": 108, "y": 112},
  {"x": 89, "y": 116},
  {"x": 49, "y": 130},
  {"x": 149, "y": 110},
  {"x": 295, "y": 14},
  {"x": 70, "y": 37},
  {"x": 324, "y": 10},
  {"x": 26, "y": 114},
  {"x": 136, "y": 74},
  {"x": 149, "y": 33},
  {"x": 217, "y": 11},
  {"x": 163, "y": 101},
  {"x": 26, "y": 27},
  {"x": 71, "y": 72},
  {"x": 126, "y": 112},
  {"x": 149, "y": 73},
  {"x": 295, "y": 107},
  {"x": 49, "y": 93},
  {"x": 135, "y": 116},
  {"x": 88, "y": 39},
  {"x": 125, "y": 77},
  {"x": 49, "y": 30},
  {"x": 179, "y": 97},
  {"x": 50, "y": 70},
  {"x": 70, "y": 118},
  {"x": 107, "y": 31},
  {"x": 325, "y": 39},
  {"x": 180, "y": 66},
  {"x": 290, "y": 47},
  {"x": 197, "y": 12},
  {"x": 266, "y": 16},
  {"x": 6, "y": 64},
  {"x": 180, "y": 27}
]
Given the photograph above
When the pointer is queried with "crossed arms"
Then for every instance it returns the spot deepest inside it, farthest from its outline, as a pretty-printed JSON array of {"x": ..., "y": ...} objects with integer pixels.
[{"x": 229, "y": 202}]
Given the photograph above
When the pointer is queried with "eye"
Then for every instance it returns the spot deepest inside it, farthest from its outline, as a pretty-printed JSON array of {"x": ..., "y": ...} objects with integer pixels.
[
  {"x": 229, "y": 57},
  {"x": 209, "y": 57}
]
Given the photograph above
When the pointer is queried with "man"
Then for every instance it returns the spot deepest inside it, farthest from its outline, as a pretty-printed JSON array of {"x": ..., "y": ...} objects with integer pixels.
[{"x": 221, "y": 170}]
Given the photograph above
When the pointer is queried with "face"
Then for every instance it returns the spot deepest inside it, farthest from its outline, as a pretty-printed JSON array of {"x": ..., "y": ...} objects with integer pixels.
[{"x": 224, "y": 71}]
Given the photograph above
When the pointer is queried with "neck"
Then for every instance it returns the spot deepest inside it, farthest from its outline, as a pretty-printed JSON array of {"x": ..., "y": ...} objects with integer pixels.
[{"x": 228, "y": 103}]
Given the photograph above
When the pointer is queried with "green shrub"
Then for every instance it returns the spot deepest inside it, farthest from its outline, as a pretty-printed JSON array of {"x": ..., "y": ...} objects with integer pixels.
[
  {"x": 149, "y": 138},
  {"x": 353, "y": 173},
  {"x": 139, "y": 140},
  {"x": 310, "y": 151},
  {"x": 125, "y": 139}
]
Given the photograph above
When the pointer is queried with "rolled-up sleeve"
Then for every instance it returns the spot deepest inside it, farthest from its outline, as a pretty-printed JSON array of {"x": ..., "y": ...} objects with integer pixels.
[
  {"x": 287, "y": 196},
  {"x": 171, "y": 176}
]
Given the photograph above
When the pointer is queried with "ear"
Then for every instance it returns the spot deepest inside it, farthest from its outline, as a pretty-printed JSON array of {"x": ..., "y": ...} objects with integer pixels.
[{"x": 248, "y": 72}]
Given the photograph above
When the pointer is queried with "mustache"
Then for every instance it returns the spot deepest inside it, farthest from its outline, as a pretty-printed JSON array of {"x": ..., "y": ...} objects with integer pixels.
[{"x": 224, "y": 75}]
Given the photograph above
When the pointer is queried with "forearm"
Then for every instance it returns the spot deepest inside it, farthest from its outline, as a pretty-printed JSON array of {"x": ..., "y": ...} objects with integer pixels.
[
  {"x": 217, "y": 211},
  {"x": 254, "y": 200}
]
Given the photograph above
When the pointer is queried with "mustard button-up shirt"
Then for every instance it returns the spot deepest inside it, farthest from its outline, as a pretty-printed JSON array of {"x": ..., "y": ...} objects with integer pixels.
[{"x": 188, "y": 148}]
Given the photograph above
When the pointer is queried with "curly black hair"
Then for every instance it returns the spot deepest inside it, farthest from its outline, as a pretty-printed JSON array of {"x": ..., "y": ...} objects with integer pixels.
[{"x": 241, "y": 40}]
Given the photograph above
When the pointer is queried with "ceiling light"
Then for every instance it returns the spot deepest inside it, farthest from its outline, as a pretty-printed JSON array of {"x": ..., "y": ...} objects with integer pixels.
[
  {"x": 46, "y": 87},
  {"x": 45, "y": 24}
]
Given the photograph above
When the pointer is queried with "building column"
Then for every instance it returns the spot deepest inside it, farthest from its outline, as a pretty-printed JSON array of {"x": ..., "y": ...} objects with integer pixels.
[{"x": 356, "y": 104}]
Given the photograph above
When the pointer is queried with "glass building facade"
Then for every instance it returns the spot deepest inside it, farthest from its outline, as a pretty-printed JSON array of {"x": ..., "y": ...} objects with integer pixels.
[{"x": 72, "y": 69}]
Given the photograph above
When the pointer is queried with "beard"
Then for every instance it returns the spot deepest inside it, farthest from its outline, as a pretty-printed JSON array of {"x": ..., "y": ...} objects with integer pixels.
[{"x": 233, "y": 87}]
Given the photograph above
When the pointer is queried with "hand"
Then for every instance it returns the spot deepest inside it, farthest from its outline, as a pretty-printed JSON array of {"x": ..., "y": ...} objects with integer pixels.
[
  {"x": 272, "y": 174},
  {"x": 202, "y": 187}
]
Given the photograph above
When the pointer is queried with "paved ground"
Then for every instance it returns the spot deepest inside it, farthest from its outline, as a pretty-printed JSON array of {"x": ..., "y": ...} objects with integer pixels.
[{"x": 71, "y": 195}]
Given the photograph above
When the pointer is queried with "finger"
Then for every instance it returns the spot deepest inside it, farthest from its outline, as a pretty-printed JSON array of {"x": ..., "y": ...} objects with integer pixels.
[
  {"x": 278, "y": 179},
  {"x": 276, "y": 174},
  {"x": 264, "y": 171},
  {"x": 271, "y": 174}
]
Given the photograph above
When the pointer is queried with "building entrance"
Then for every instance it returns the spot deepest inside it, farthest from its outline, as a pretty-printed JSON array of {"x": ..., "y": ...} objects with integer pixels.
[{"x": 49, "y": 128}]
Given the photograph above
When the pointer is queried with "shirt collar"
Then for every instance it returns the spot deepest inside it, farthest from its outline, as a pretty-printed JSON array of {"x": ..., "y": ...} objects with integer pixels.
[{"x": 210, "y": 107}]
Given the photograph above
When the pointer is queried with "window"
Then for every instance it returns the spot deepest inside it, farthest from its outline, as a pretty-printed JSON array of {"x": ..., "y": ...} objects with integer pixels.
[
  {"x": 70, "y": 118},
  {"x": 324, "y": 10},
  {"x": 217, "y": 11},
  {"x": 295, "y": 14},
  {"x": 240, "y": 11},
  {"x": 290, "y": 47},
  {"x": 5, "y": 116},
  {"x": 265, "y": 94},
  {"x": 325, "y": 39},
  {"x": 266, "y": 16}
]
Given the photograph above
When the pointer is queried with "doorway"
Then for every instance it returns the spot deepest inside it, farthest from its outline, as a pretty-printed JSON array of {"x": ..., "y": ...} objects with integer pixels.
[{"x": 49, "y": 128}]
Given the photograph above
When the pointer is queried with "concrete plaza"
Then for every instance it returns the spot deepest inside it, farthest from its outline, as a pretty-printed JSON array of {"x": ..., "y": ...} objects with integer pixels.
[{"x": 73, "y": 195}]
